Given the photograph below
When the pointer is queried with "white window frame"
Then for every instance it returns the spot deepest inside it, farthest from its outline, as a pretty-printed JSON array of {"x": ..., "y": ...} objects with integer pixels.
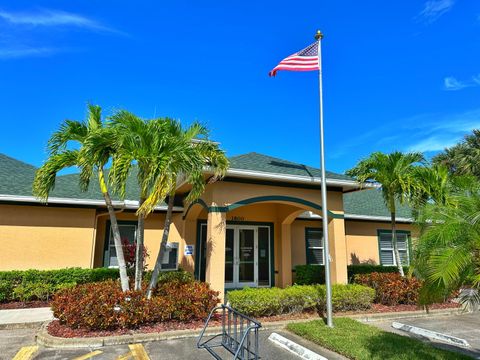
[
  {"x": 314, "y": 247},
  {"x": 391, "y": 248},
  {"x": 170, "y": 246}
]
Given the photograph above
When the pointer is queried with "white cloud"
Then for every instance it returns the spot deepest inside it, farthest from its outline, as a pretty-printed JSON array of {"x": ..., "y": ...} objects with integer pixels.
[
  {"x": 51, "y": 18},
  {"x": 426, "y": 133},
  {"x": 12, "y": 53},
  {"x": 433, "y": 9},
  {"x": 452, "y": 84}
]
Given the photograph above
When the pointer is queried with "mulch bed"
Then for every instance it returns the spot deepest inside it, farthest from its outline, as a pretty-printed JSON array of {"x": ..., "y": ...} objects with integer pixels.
[
  {"x": 23, "y": 305},
  {"x": 59, "y": 330}
]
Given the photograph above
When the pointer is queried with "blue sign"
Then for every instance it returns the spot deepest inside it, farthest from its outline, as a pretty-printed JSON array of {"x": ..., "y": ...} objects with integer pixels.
[{"x": 189, "y": 249}]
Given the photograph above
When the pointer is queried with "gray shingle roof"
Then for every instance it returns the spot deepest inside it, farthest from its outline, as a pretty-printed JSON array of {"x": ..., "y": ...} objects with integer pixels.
[
  {"x": 259, "y": 162},
  {"x": 370, "y": 203},
  {"x": 16, "y": 178}
]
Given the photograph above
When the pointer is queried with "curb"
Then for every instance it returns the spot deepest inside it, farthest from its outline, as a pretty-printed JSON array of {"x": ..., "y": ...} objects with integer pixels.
[
  {"x": 45, "y": 339},
  {"x": 24, "y": 325},
  {"x": 432, "y": 335},
  {"x": 406, "y": 314}
]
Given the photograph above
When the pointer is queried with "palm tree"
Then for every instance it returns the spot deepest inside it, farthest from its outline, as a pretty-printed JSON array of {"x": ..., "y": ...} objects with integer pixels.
[
  {"x": 464, "y": 157},
  {"x": 447, "y": 254},
  {"x": 163, "y": 152},
  {"x": 60, "y": 158},
  {"x": 395, "y": 173}
]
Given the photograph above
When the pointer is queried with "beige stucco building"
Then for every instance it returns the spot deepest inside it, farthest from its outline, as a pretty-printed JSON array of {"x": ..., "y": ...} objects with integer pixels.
[{"x": 250, "y": 229}]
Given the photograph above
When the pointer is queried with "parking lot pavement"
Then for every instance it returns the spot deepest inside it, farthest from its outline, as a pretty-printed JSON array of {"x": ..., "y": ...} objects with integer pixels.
[
  {"x": 20, "y": 345},
  {"x": 464, "y": 326}
]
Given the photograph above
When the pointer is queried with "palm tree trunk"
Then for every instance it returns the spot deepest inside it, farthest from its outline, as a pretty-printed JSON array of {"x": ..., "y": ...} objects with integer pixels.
[
  {"x": 139, "y": 249},
  {"x": 163, "y": 247},
  {"x": 122, "y": 266},
  {"x": 395, "y": 246}
]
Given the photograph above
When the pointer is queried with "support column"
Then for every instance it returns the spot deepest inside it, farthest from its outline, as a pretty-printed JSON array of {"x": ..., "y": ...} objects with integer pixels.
[
  {"x": 338, "y": 251},
  {"x": 215, "y": 268},
  {"x": 286, "y": 255}
]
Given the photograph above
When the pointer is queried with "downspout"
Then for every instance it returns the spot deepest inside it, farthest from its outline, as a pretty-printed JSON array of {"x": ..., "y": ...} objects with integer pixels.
[{"x": 94, "y": 240}]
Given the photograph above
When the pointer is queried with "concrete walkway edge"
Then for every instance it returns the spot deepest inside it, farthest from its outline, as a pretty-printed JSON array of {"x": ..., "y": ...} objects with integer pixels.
[{"x": 45, "y": 339}]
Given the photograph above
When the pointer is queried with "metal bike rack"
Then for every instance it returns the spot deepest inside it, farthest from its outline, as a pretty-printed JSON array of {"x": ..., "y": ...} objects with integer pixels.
[{"x": 239, "y": 335}]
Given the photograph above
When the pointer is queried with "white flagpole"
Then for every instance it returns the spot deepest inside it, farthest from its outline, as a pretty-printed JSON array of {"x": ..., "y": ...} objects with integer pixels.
[{"x": 326, "y": 251}]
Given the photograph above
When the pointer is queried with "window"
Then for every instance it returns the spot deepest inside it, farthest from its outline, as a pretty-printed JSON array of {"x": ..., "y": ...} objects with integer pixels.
[
  {"x": 314, "y": 245},
  {"x": 170, "y": 257},
  {"x": 128, "y": 231},
  {"x": 387, "y": 257}
]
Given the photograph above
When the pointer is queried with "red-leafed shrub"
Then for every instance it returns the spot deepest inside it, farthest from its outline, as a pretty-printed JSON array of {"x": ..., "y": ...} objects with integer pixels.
[
  {"x": 103, "y": 305},
  {"x": 193, "y": 300},
  {"x": 391, "y": 288}
]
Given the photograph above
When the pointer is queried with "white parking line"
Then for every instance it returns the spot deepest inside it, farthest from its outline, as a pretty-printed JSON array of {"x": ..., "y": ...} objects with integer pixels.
[{"x": 294, "y": 348}]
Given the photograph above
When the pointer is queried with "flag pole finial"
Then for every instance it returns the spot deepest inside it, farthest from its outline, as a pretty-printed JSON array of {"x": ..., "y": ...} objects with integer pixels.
[{"x": 319, "y": 35}]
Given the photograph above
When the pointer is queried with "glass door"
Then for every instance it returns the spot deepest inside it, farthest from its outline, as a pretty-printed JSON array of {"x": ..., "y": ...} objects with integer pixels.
[{"x": 247, "y": 254}]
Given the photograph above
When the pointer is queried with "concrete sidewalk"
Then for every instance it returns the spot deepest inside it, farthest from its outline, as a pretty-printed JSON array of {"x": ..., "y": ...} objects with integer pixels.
[{"x": 24, "y": 318}]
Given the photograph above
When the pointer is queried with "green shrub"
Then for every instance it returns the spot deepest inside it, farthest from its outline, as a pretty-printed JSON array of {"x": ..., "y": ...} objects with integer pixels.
[
  {"x": 315, "y": 274},
  {"x": 103, "y": 305},
  {"x": 309, "y": 274},
  {"x": 42, "y": 284},
  {"x": 368, "y": 269},
  {"x": 391, "y": 288},
  {"x": 298, "y": 298},
  {"x": 179, "y": 275},
  {"x": 349, "y": 297},
  {"x": 256, "y": 301},
  {"x": 6, "y": 291}
]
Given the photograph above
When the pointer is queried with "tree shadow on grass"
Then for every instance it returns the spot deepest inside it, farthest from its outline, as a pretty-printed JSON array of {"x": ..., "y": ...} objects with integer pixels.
[{"x": 383, "y": 345}]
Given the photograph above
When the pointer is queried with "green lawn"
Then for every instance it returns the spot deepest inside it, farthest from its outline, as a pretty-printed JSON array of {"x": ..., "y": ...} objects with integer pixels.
[{"x": 359, "y": 341}]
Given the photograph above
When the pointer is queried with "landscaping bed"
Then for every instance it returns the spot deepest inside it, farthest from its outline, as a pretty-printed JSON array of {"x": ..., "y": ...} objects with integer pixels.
[
  {"x": 360, "y": 341},
  {"x": 24, "y": 305}
]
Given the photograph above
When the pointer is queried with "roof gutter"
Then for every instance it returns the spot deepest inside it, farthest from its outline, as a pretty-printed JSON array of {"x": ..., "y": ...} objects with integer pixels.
[
  {"x": 288, "y": 178},
  {"x": 126, "y": 204}
]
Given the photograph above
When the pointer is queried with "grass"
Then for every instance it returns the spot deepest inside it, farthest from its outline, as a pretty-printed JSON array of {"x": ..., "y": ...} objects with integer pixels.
[{"x": 359, "y": 341}]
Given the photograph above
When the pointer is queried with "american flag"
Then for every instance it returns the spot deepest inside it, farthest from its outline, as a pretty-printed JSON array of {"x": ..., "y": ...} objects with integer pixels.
[{"x": 303, "y": 60}]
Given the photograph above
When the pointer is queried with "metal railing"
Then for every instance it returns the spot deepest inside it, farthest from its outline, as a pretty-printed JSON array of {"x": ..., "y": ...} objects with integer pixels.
[{"x": 239, "y": 335}]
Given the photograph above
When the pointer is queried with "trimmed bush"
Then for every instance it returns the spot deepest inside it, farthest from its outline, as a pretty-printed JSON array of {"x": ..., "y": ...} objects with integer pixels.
[
  {"x": 349, "y": 297},
  {"x": 368, "y": 269},
  {"x": 298, "y": 298},
  {"x": 391, "y": 288},
  {"x": 309, "y": 274},
  {"x": 42, "y": 284},
  {"x": 315, "y": 274},
  {"x": 103, "y": 306}
]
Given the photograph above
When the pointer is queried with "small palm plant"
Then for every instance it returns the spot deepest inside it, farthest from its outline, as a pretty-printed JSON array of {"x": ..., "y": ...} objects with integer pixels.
[
  {"x": 60, "y": 158},
  {"x": 447, "y": 254},
  {"x": 395, "y": 173}
]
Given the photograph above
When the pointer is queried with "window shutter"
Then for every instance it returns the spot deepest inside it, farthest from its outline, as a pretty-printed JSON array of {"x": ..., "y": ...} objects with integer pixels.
[
  {"x": 386, "y": 240},
  {"x": 386, "y": 257}
]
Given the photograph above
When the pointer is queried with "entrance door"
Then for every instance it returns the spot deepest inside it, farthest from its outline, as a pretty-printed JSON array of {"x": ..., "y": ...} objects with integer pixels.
[
  {"x": 245, "y": 264},
  {"x": 248, "y": 257}
]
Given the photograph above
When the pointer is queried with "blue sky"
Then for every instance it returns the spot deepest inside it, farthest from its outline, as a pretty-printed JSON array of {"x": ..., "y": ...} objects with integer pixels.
[{"x": 397, "y": 75}]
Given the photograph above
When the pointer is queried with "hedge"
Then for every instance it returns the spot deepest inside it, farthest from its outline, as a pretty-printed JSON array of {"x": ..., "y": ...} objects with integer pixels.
[
  {"x": 315, "y": 274},
  {"x": 298, "y": 298},
  {"x": 29, "y": 285}
]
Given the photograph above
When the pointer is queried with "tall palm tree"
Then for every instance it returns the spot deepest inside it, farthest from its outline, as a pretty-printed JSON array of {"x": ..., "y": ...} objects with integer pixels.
[
  {"x": 60, "y": 158},
  {"x": 164, "y": 152},
  {"x": 447, "y": 254},
  {"x": 395, "y": 173}
]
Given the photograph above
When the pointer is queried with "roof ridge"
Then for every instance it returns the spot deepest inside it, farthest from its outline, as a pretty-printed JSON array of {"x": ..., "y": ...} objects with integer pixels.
[{"x": 17, "y": 160}]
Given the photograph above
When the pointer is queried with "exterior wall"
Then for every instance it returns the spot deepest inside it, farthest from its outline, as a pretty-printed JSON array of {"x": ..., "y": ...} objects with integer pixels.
[
  {"x": 362, "y": 240},
  {"x": 43, "y": 237},
  {"x": 153, "y": 236}
]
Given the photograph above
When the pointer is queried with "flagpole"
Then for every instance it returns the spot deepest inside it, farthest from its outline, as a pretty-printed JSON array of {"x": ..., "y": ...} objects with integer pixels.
[{"x": 326, "y": 250}]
